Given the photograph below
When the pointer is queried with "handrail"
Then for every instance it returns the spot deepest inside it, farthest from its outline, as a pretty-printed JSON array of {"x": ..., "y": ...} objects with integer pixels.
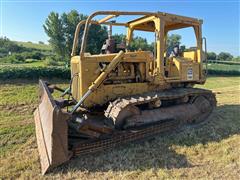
[
  {"x": 80, "y": 24},
  {"x": 89, "y": 19},
  {"x": 75, "y": 41},
  {"x": 110, "y": 15},
  {"x": 205, "y": 56}
]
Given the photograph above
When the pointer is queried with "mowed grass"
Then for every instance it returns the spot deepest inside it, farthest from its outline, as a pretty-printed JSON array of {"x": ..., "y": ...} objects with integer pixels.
[{"x": 208, "y": 151}]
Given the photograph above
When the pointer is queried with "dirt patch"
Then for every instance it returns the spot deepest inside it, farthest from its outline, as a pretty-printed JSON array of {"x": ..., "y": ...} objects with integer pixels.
[{"x": 19, "y": 108}]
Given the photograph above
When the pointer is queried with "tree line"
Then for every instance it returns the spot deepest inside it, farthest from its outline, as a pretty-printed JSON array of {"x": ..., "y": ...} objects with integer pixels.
[
  {"x": 11, "y": 52},
  {"x": 60, "y": 29},
  {"x": 222, "y": 56}
]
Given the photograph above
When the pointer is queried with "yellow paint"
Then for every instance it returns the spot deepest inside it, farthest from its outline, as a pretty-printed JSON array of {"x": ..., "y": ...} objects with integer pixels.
[{"x": 137, "y": 72}]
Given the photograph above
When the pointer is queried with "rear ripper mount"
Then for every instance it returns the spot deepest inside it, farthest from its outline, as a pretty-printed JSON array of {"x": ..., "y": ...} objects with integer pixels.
[{"x": 62, "y": 135}]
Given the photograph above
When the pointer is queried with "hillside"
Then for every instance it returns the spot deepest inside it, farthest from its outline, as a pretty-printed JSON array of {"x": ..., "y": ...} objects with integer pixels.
[{"x": 33, "y": 45}]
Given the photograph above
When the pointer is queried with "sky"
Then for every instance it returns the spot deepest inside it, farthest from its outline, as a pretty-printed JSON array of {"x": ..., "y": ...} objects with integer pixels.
[{"x": 22, "y": 20}]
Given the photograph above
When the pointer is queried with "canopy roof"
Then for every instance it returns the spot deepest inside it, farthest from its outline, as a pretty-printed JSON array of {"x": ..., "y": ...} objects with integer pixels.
[{"x": 145, "y": 23}]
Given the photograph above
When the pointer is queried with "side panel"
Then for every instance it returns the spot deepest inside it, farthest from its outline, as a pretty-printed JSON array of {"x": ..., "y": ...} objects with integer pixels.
[
  {"x": 190, "y": 55},
  {"x": 190, "y": 72},
  {"x": 188, "y": 69},
  {"x": 106, "y": 93},
  {"x": 89, "y": 69},
  {"x": 75, "y": 74}
]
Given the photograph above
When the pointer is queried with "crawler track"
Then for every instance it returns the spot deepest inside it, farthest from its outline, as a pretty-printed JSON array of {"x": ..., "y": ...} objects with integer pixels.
[
  {"x": 153, "y": 126},
  {"x": 123, "y": 137},
  {"x": 115, "y": 107}
]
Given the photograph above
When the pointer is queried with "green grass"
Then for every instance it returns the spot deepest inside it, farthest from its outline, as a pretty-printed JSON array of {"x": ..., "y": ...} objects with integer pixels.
[
  {"x": 34, "y": 45},
  {"x": 18, "y": 99},
  {"x": 34, "y": 72},
  {"x": 236, "y": 62},
  {"x": 210, "y": 151},
  {"x": 39, "y": 63},
  {"x": 215, "y": 82},
  {"x": 36, "y": 63},
  {"x": 224, "y": 67}
]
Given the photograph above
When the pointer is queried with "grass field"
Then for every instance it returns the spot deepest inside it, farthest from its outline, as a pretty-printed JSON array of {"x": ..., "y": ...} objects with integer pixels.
[
  {"x": 224, "y": 67},
  {"x": 211, "y": 151},
  {"x": 34, "y": 45},
  {"x": 32, "y": 64}
]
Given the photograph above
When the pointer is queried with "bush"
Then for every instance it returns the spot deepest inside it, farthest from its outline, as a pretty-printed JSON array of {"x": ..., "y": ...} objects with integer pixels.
[
  {"x": 14, "y": 58},
  {"x": 236, "y": 59},
  {"x": 223, "y": 72},
  {"x": 34, "y": 72},
  {"x": 30, "y": 60},
  {"x": 225, "y": 56},
  {"x": 211, "y": 56},
  {"x": 224, "y": 62},
  {"x": 32, "y": 55},
  {"x": 9, "y": 46},
  {"x": 21, "y": 57},
  {"x": 9, "y": 72},
  {"x": 50, "y": 61}
]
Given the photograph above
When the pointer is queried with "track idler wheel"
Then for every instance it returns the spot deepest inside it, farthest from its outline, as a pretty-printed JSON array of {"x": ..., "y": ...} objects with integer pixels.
[
  {"x": 126, "y": 113},
  {"x": 205, "y": 107}
]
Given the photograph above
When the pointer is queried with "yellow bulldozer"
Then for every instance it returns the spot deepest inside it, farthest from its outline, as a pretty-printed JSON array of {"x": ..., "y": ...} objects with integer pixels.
[{"x": 119, "y": 96}]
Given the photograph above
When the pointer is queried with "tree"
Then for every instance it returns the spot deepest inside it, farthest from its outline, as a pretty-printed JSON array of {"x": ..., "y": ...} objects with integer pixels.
[
  {"x": 236, "y": 58},
  {"x": 70, "y": 22},
  {"x": 211, "y": 56},
  {"x": 7, "y": 47},
  {"x": 173, "y": 40},
  {"x": 97, "y": 35},
  {"x": 137, "y": 43},
  {"x": 119, "y": 38},
  {"x": 141, "y": 43},
  {"x": 54, "y": 29},
  {"x": 61, "y": 29},
  {"x": 225, "y": 56}
]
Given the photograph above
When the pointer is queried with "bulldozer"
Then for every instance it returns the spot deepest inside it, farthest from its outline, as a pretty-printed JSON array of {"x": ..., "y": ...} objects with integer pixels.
[{"x": 120, "y": 96}]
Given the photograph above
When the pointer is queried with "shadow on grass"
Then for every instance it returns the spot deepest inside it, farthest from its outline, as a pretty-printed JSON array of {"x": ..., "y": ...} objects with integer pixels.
[{"x": 158, "y": 152}]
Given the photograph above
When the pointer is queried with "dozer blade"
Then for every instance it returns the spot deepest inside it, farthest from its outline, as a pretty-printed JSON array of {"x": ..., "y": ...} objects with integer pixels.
[{"x": 51, "y": 131}]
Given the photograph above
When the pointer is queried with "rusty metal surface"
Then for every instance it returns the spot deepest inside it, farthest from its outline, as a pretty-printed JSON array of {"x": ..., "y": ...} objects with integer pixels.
[
  {"x": 123, "y": 137},
  {"x": 185, "y": 113},
  {"x": 115, "y": 109},
  {"x": 152, "y": 121},
  {"x": 51, "y": 131}
]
